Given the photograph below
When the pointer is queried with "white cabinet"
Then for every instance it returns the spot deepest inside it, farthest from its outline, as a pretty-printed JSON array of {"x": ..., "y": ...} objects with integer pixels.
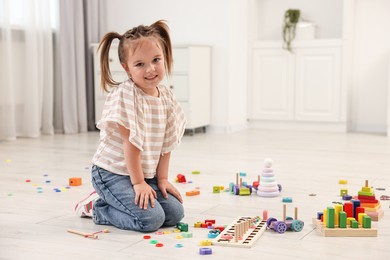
[
  {"x": 308, "y": 88},
  {"x": 191, "y": 83},
  {"x": 300, "y": 86},
  {"x": 117, "y": 73}
]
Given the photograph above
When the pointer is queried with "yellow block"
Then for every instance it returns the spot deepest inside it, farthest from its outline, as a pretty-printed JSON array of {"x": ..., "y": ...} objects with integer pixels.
[
  {"x": 360, "y": 218},
  {"x": 343, "y": 182},
  {"x": 366, "y": 189},
  {"x": 349, "y": 221},
  {"x": 337, "y": 209},
  {"x": 324, "y": 216}
]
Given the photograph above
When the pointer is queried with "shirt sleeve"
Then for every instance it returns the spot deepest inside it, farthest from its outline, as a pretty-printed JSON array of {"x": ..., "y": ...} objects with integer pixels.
[
  {"x": 121, "y": 107},
  {"x": 175, "y": 124}
]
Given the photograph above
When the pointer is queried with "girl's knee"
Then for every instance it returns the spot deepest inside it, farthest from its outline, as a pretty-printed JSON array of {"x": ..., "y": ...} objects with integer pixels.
[
  {"x": 152, "y": 222},
  {"x": 174, "y": 217}
]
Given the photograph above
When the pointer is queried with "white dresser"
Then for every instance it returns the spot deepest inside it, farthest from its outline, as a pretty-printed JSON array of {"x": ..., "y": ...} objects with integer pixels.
[{"x": 190, "y": 82}]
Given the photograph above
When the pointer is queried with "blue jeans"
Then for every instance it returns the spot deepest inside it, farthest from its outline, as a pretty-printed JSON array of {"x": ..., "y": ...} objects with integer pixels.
[{"x": 116, "y": 204}]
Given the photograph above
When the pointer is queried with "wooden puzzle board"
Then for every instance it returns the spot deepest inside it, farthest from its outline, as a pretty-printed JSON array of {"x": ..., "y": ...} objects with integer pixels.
[
  {"x": 249, "y": 237},
  {"x": 344, "y": 232}
]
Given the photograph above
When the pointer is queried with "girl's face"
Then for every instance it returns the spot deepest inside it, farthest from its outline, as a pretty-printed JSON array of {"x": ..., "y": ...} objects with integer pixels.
[{"x": 145, "y": 65}]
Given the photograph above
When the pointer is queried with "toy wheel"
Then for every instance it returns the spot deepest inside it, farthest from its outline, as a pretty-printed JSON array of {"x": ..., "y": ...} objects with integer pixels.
[
  {"x": 297, "y": 225},
  {"x": 270, "y": 220},
  {"x": 289, "y": 218},
  {"x": 280, "y": 227}
]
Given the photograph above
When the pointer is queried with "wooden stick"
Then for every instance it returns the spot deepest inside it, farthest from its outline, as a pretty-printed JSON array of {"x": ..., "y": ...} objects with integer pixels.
[
  {"x": 87, "y": 235},
  {"x": 296, "y": 213},
  {"x": 101, "y": 231}
]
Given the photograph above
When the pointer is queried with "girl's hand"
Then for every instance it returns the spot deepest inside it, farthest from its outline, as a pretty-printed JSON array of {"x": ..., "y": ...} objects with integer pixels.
[
  {"x": 143, "y": 194},
  {"x": 165, "y": 186}
]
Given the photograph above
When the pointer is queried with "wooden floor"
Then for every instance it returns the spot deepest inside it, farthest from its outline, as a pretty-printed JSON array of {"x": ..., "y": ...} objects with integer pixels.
[{"x": 34, "y": 217}]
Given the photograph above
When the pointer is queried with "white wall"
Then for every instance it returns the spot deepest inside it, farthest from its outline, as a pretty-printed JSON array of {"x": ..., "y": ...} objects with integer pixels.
[
  {"x": 370, "y": 66},
  {"x": 222, "y": 24}
]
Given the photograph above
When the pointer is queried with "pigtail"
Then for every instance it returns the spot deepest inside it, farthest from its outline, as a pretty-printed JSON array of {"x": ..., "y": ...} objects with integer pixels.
[
  {"x": 163, "y": 29},
  {"x": 104, "y": 47}
]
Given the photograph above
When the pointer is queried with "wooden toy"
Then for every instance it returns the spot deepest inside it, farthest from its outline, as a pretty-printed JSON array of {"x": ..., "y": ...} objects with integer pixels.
[
  {"x": 243, "y": 232},
  {"x": 75, "y": 181},
  {"x": 268, "y": 186},
  {"x": 181, "y": 178},
  {"x": 288, "y": 223},
  {"x": 372, "y": 206},
  {"x": 205, "y": 242},
  {"x": 240, "y": 188},
  {"x": 340, "y": 221},
  {"x": 348, "y": 231},
  {"x": 88, "y": 235},
  {"x": 205, "y": 251},
  {"x": 182, "y": 226},
  {"x": 192, "y": 193}
]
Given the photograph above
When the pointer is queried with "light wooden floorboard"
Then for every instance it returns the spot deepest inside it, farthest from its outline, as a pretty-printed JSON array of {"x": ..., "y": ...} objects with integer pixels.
[{"x": 33, "y": 225}]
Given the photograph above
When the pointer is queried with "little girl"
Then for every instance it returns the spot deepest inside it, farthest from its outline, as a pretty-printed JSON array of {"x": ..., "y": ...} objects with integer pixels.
[{"x": 141, "y": 124}]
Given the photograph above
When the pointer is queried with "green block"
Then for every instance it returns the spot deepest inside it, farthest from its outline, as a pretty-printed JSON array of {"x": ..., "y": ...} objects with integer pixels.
[
  {"x": 330, "y": 217},
  {"x": 354, "y": 224},
  {"x": 365, "y": 193},
  {"x": 366, "y": 222},
  {"x": 343, "y": 219},
  {"x": 343, "y": 192}
]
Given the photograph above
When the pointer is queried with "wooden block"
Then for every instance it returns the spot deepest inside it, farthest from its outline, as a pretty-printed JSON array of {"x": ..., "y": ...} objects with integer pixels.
[
  {"x": 75, "y": 181},
  {"x": 359, "y": 210},
  {"x": 348, "y": 208},
  {"x": 370, "y": 206},
  {"x": 337, "y": 209},
  {"x": 354, "y": 224},
  {"x": 343, "y": 219},
  {"x": 343, "y": 192},
  {"x": 365, "y": 201},
  {"x": 330, "y": 218},
  {"x": 365, "y": 193},
  {"x": 367, "y": 189},
  {"x": 192, "y": 193},
  {"x": 343, "y": 182},
  {"x": 344, "y": 232},
  {"x": 349, "y": 220},
  {"x": 360, "y": 218},
  {"x": 377, "y": 215},
  {"x": 324, "y": 215},
  {"x": 366, "y": 197},
  {"x": 366, "y": 222}
]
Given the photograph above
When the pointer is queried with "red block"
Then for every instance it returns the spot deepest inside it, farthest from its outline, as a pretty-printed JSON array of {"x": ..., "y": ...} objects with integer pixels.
[
  {"x": 181, "y": 178},
  {"x": 348, "y": 208},
  {"x": 368, "y": 201},
  {"x": 359, "y": 210},
  {"x": 364, "y": 197}
]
